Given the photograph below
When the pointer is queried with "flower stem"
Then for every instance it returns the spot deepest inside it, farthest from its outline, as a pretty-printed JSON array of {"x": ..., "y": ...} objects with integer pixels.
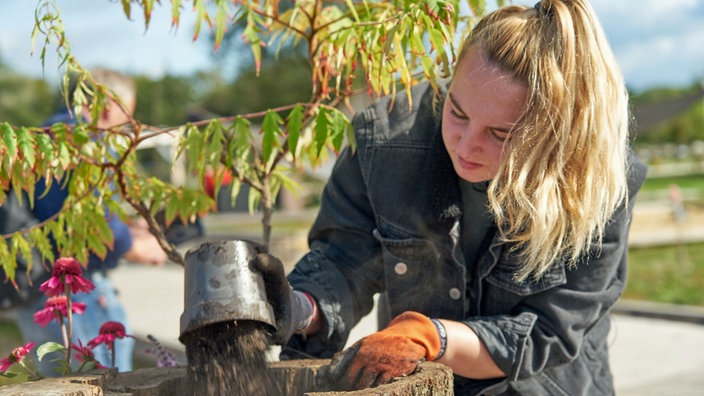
[
  {"x": 112, "y": 355},
  {"x": 33, "y": 376},
  {"x": 69, "y": 317}
]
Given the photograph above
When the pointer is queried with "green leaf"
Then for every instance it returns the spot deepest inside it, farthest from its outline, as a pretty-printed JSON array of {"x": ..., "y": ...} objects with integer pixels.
[
  {"x": 175, "y": 12},
  {"x": 42, "y": 243},
  {"x": 251, "y": 35},
  {"x": 9, "y": 263},
  {"x": 437, "y": 39},
  {"x": 171, "y": 210},
  {"x": 9, "y": 137},
  {"x": 148, "y": 8},
  {"x": 46, "y": 152},
  {"x": 428, "y": 68},
  {"x": 478, "y": 7},
  {"x": 8, "y": 148},
  {"x": 22, "y": 245},
  {"x": 271, "y": 127},
  {"x": 216, "y": 138},
  {"x": 127, "y": 8},
  {"x": 288, "y": 183},
  {"x": 62, "y": 141},
  {"x": 98, "y": 241},
  {"x": 433, "y": 6},
  {"x": 240, "y": 144},
  {"x": 235, "y": 188},
  {"x": 49, "y": 347},
  {"x": 62, "y": 366},
  {"x": 351, "y": 139},
  {"x": 64, "y": 157},
  {"x": 253, "y": 201},
  {"x": 294, "y": 126},
  {"x": 80, "y": 135},
  {"x": 340, "y": 124},
  {"x": 352, "y": 8},
  {"x": 88, "y": 366},
  {"x": 322, "y": 129},
  {"x": 193, "y": 144},
  {"x": 26, "y": 146},
  {"x": 221, "y": 22}
]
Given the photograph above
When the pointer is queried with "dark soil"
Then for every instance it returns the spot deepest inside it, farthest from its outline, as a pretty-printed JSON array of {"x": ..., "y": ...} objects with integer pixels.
[{"x": 229, "y": 358}]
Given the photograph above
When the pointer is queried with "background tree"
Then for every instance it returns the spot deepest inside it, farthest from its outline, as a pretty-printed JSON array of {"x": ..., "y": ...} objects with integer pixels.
[
  {"x": 284, "y": 76},
  {"x": 24, "y": 101},
  {"x": 669, "y": 115},
  {"x": 167, "y": 101},
  {"x": 283, "y": 80}
]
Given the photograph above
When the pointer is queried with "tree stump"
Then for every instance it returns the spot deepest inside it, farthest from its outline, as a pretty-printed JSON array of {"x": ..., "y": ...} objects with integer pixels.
[{"x": 299, "y": 376}]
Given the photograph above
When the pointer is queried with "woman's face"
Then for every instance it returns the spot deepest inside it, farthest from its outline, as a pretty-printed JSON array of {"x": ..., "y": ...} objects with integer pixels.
[{"x": 482, "y": 105}]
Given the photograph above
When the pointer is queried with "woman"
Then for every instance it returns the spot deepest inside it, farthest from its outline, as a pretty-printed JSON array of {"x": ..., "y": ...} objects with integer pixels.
[{"x": 493, "y": 216}]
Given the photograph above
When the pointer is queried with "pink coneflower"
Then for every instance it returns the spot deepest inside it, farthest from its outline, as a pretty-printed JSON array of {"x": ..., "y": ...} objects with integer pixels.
[
  {"x": 109, "y": 332},
  {"x": 85, "y": 356},
  {"x": 66, "y": 271},
  {"x": 15, "y": 356},
  {"x": 56, "y": 308}
]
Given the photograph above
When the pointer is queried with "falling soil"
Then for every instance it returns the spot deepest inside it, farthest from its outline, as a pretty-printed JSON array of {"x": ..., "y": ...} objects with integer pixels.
[{"x": 229, "y": 358}]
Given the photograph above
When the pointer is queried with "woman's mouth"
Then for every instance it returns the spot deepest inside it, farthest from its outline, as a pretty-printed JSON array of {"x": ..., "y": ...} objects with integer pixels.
[{"x": 469, "y": 165}]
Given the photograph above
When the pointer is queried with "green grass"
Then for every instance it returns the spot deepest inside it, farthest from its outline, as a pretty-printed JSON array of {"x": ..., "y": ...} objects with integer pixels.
[
  {"x": 668, "y": 274},
  {"x": 688, "y": 182}
]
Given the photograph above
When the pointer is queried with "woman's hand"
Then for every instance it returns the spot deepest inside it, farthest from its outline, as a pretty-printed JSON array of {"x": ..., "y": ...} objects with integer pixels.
[{"x": 393, "y": 352}]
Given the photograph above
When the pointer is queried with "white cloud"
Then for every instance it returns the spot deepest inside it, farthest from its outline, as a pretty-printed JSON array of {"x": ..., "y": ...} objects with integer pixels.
[{"x": 656, "y": 42}]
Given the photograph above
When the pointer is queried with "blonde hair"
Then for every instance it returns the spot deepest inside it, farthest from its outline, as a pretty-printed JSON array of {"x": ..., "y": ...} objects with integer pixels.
[{"x": 565, "y": 168}]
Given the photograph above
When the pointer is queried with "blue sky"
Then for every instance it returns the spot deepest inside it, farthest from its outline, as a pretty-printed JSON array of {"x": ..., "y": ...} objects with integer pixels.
[{"x": 656, "y": 42}]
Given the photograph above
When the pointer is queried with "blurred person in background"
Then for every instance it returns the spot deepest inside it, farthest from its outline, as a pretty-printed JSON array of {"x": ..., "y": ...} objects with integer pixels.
[{"x": 132, "y": 242}]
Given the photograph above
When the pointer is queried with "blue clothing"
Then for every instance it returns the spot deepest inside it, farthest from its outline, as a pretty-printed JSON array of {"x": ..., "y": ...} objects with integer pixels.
[
  {"x": 102, "y": 304},
  {"x": 390, "y": 222}
]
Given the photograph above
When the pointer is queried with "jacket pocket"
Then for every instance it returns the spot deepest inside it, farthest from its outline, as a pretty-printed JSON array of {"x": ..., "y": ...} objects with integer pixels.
[
  {"x": 416, "y": 276},
  {"x": 502, "y": 292},
  {"x": 502, "y": 276}
]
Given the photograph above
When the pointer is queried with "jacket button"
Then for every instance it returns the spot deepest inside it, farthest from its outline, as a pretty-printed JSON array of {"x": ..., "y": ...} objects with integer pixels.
[
  {"x": 400, "y": 268},
  {"x": 455, "y": 293}
]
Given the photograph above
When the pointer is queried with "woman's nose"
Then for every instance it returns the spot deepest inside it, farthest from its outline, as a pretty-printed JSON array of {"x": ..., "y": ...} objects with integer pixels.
[{"x": 469, "y": 138}]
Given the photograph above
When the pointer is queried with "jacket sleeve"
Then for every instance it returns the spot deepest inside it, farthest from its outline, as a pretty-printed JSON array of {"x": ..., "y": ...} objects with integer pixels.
[
  {"x": 343, "y": 269},
  {"x": 549, "y": 328}
]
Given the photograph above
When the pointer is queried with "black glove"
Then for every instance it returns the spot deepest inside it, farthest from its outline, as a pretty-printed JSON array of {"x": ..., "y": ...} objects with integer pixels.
[{"x": 292, "y": 309}]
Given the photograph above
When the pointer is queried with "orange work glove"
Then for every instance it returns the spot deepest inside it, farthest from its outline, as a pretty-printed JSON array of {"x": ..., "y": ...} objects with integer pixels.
[{"x": 380, "y": 357}]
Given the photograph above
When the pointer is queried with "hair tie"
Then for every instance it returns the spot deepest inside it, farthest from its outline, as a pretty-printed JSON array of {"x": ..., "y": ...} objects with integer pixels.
[{"x": 541, "y": 10}]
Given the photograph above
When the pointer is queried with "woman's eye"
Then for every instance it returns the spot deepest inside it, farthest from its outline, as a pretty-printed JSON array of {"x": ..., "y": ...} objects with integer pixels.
[
  {"x": 498, "y": 135},
  {"x": 457, "y": 114}
]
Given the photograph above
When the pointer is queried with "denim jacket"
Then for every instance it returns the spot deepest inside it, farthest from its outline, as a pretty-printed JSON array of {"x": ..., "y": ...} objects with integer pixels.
[{"x": 389, "y": 222}]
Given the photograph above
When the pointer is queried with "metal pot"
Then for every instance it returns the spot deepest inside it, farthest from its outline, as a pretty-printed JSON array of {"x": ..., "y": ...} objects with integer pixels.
[{"x": 220, "y": 286}]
